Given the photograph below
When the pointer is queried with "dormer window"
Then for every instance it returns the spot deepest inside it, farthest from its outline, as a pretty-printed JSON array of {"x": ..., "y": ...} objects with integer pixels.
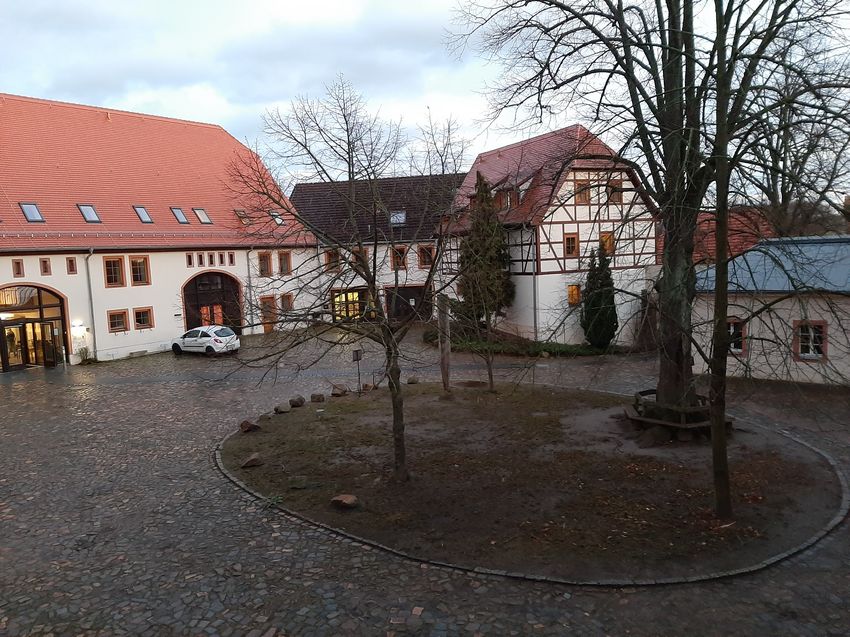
[
  {"x": 89, "y": 213},
  {"x": 398, "y": 217},
  {"x": 202, "y": 215},
  {"x": 178, "y": 214},
  {"x": 143, "y": 215},
  {"x": 31, "y": 212}
]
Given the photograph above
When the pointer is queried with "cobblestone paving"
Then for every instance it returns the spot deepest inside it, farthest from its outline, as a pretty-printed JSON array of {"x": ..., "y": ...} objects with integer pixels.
[{"x": 114, "y": 520}]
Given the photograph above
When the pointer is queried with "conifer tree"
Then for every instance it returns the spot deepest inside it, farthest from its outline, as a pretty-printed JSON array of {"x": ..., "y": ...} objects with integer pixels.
[
  {"x": 484, "y": 280},
  {"x": 598, "y": 308}
]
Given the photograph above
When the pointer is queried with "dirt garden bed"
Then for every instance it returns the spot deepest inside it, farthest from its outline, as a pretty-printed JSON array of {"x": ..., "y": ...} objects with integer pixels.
[{"x": 543, "y": 481}]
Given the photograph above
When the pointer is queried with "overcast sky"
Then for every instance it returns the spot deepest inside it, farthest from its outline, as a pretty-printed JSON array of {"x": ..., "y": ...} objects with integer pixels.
[{"x": 226, "y": 62}]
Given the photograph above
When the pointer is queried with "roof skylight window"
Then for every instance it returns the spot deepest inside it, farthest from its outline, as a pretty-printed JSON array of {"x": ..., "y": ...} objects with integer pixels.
[
  {"x": 89, "y": 213},
  {"x": 398, "y": 217},
  {"x": 278, "y": 218},
  {"x": 31, "y": 212},
  {"x": 178, "y": 214},
  {"x": 202, "y": 215},
  {"x": 144, "y": 217},
  {"x": 243, "y": 217}
]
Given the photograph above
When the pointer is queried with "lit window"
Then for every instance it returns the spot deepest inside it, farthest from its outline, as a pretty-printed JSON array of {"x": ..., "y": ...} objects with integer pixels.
[
  {"x": 17, "y": 268},
  {"x": 143, "y": 318},
  {"x": 284, "y": 262},
  {"x": 810, "y": 339},
  {"x": 606, "y": 242},
  {"x": 140, "y": 271},
  {"x": 398, "y": 217},
  {"x": 31, "y": 212},
  {"x": 117, "y": 320},
  {"x": 736, "y": 335},
  {"x": 113, "y": 268},
  {"x": 89, "y": 213},
  {"x": 44, "y": 266},
  {"x": 426, "y": 257},
  {"x": 265, "y": 263},
  {"x": 202, "y": 215},
  {"x": 142, "y": 212},
  {"x": 571, "y": 244},
  {"x": 398, "y": 257},
  {"x": 181, "y": 218},
  {"x": 71, "y": 265},
  {"x": 582, "y": 192},
  {"x": 574, "y": 294},
  {"x": 286, "y": 302}
]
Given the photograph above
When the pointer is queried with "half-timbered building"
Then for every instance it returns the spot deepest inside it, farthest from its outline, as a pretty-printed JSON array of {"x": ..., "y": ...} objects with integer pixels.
[{"x": 561, "y": 195}]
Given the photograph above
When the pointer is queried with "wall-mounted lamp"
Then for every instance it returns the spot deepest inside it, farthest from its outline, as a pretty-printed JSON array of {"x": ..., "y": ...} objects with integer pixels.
[{"x": 78, "y": 330}]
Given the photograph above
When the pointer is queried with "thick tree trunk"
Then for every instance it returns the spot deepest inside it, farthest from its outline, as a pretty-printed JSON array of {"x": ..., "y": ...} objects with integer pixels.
[
  {"x": 675, "y": 296},
  {"x": 400, "y": 473}
]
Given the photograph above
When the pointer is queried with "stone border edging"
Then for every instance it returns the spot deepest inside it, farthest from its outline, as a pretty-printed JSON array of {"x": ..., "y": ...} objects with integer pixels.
[{"x": 843, "y": 509}]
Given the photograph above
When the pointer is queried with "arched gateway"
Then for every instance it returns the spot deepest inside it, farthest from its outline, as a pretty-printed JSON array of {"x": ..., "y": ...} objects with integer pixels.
[
  {"x": 33, "y": 327},
  {"x": 213, "y": 298}
]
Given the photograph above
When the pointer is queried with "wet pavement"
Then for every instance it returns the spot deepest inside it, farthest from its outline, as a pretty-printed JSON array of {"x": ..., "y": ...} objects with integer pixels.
[{"x": 114, "y": 519}]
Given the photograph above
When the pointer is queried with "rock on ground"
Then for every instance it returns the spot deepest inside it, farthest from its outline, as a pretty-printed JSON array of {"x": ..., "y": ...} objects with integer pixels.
[
  {"x": 345, "y": 501},
  {"x": 246, "y": 426},
  {"x": 297, "y": 401},
  {"x": 254, "y": 460},
  {"x": 317, "y": 398}
]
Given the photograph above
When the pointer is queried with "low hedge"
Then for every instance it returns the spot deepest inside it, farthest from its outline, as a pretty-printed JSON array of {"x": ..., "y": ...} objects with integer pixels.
[{"x": 514, "y": 347}]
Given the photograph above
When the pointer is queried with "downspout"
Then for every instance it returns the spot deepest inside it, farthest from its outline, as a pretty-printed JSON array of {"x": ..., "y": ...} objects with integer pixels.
[
  {"x": 91, "y": 304},
  {"x": 250, "y": 295}
]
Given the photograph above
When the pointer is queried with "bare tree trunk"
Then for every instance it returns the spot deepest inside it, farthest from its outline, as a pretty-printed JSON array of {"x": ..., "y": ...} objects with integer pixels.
[
  {"x": 720, "y": 337},
  {"x": 445, "y": 336},
  {"x": 675, "y": 371},
  {"x": 488, "y": 354},
  {"x": 400, "y": 473}
]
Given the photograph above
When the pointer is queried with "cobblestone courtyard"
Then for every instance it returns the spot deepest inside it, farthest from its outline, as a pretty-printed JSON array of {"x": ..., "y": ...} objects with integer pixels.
[{"x": 114, "y": 520}]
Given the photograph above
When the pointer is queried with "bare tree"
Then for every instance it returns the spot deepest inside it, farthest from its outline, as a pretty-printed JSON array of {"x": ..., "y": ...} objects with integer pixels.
[
  {"x": 678, "y": 84},
  {"x": 355, "y": 210}
]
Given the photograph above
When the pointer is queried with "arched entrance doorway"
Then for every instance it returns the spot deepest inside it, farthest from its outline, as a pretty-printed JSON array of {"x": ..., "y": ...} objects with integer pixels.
[
  {"x": 33, "y": 327},
  {"x": 213, "y": 298}
]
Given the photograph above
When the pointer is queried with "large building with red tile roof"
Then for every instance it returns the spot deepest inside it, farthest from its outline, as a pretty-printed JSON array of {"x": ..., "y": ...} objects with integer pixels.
[
  {"x": 560, "y": 195},
  {"x": 119, "y": 230}
]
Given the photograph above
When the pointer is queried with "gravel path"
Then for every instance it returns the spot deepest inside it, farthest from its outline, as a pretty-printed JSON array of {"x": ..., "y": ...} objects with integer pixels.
[{"x": 113, "y": 520}]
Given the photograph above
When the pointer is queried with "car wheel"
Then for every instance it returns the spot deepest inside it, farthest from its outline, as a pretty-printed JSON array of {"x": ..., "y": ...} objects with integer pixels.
[
  {"x": 176, "y": 349},
  {"x": 209, "y": 351}
]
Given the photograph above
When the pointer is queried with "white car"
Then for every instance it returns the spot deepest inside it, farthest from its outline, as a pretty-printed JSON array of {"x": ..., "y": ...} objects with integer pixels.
[{"x": 208, "y": 339}]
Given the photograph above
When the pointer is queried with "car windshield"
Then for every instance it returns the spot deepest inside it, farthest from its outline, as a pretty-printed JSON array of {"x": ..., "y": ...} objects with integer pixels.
[{"x": 224, "y": 332}]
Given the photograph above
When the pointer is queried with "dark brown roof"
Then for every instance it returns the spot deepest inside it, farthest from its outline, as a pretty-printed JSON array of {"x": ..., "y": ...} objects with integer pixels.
[{"x": 348, "y": 212}]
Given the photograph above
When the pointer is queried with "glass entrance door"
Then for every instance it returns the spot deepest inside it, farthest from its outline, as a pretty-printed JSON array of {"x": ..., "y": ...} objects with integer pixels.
[
  {"x": 15, "y": 345},
  {"x": 48, "y": 344}
]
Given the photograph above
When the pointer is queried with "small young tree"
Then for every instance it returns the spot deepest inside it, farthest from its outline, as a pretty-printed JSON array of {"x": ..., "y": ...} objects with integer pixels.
[
  {"x": 484, "y": 281},
  {"x": 598, "y": 310},
  {"x": 354, "y": 289}
]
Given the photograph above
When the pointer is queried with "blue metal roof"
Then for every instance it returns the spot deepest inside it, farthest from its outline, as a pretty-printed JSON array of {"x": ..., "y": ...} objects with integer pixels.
[{"x": 787, "y": 265}]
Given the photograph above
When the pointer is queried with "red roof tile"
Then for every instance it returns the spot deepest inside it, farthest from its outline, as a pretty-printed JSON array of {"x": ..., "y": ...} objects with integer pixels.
[
  {"x": 58, "y": 155},
  {"x": 542, "y": 160}
]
